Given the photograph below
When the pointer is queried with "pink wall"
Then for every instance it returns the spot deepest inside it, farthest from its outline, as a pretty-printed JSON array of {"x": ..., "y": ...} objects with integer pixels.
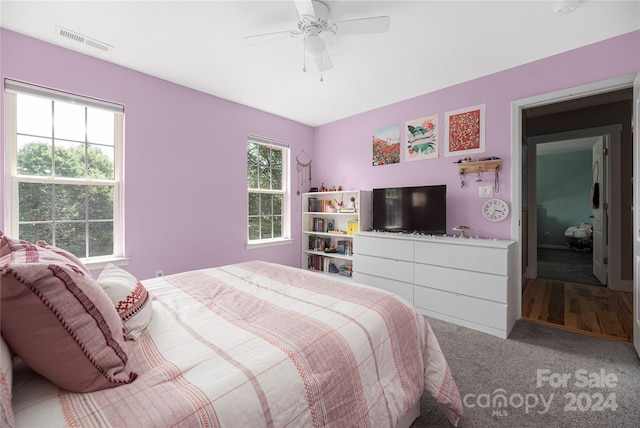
[
  {"x": 185, "y": 151},
  {"x": 185, "y": 207},
  {"x": 343, "y": 148}
]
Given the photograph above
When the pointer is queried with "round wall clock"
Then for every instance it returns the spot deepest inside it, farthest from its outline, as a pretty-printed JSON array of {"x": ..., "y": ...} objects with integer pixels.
[{"x": 495, "y": 209}]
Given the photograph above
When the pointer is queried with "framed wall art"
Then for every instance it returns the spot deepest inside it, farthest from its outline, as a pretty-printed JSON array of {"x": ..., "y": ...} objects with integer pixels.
[
  {"x": 422, "y": 138},
  {"x": 464, "y": 131},
  {"x": 386, "y": 145}
]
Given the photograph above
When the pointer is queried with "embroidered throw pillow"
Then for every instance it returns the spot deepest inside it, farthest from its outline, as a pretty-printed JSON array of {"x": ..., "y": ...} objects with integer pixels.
[
  {"x": 131, "y": 299},
  {"x": 60, "y": 321},
  {"x": 63, "y": 253}
]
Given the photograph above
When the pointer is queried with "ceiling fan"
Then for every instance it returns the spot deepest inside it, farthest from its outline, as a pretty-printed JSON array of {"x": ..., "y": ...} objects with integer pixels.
[{"x": 313, "y": 23}]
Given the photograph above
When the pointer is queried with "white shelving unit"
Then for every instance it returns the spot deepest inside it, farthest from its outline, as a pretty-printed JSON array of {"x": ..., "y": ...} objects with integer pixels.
[{"x": 324, "y": 215}]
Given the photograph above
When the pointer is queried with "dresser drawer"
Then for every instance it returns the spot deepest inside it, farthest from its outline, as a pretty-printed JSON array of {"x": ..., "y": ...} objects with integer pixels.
[
  {"x": 402, "y": 289},
  {"x": 475, "y": 284},
  {"x": 385, "y": 268},
  {"x": 467, "y": 308},
  {"x": 479, "y": 259},
  {"x": 389, "y": 248}
]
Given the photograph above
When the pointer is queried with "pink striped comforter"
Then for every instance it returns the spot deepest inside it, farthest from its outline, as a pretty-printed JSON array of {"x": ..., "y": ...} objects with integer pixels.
[{"x": 257, "y": 344}]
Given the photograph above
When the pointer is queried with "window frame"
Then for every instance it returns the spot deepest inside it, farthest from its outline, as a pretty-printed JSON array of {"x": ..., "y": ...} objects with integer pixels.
[
  {"x": 285, "y": 192},
  {"x": 12, "y": 179}
]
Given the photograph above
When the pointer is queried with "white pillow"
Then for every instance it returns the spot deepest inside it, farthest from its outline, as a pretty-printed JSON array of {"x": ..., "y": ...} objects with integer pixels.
[{"x": 131, "y": 299}]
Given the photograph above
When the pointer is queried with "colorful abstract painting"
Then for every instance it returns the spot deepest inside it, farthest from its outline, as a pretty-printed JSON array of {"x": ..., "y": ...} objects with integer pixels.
[
  {"x": 386, "y": 145},
  {"x": 422, "y": 138},
  {"x": 464, "y": 131}
]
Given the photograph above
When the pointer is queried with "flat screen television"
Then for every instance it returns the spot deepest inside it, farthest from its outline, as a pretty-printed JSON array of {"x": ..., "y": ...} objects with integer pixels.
[{"x": 421, "y": 209}]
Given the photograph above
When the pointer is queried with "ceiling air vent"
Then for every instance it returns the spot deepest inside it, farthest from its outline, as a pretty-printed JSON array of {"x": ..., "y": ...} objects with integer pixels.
[{"x": 77, "y": 37}]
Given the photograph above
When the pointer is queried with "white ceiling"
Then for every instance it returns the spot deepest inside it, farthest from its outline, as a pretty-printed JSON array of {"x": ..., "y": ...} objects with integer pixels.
[{"x": 430, "y": 45}]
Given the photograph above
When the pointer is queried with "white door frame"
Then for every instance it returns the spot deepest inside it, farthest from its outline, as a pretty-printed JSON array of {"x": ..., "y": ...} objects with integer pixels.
[
  {"x": 636, "y": 213},
  {"x": 517, "y": 106}
]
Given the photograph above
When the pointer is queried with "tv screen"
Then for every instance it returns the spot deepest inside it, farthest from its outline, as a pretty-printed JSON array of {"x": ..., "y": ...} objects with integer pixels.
[{"x": 421, "y": 209}]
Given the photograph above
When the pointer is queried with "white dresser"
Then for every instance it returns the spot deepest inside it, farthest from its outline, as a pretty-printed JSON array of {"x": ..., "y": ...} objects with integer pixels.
[{"x": 465, "y": 281}]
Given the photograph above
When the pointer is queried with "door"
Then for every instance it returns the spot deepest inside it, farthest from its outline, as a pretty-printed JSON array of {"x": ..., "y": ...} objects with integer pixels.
[
  {"x": 636, "y": 213},
  {"x": 599, "y": 211}
]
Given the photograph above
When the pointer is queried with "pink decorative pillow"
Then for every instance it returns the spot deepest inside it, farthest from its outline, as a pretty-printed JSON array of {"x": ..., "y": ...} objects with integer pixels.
[
  {"x": 131, "y": 299},
  {"x": 60, "y": 321},
  {"x": 6, "y": 379},
  {"x": 63, "y": 253}
]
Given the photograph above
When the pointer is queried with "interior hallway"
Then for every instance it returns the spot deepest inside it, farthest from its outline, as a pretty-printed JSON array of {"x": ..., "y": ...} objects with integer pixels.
[{"x": 587, "y": 309}]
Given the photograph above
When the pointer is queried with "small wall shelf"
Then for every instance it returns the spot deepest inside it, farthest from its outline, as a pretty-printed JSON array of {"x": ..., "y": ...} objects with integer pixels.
[{"x": 480, "y": 166}]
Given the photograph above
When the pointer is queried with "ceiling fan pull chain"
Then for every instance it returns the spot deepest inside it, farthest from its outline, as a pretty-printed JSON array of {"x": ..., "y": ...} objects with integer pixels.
[
  {"x": 304, "y": 54},
  {"x": 321, "y": 79}
]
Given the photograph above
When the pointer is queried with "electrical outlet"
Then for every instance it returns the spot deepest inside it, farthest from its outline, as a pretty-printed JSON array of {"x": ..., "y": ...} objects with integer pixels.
[
  {"x": 485, "y": 191},
  {"x": 159, "y": 273}
]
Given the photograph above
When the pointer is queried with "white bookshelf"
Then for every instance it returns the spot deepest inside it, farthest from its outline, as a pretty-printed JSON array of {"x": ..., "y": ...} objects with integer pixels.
[{"x": 324, "y": 216}]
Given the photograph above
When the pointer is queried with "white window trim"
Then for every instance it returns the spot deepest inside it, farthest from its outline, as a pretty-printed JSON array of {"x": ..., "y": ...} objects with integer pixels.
[
  {"x": 286, "y": 201},
  {"x": 11, "y": 166},
  {"x": 268, "y": 243}
]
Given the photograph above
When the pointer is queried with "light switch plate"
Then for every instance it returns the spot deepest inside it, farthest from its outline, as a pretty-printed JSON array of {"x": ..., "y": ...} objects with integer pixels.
[{"x": 485, "y": 191}]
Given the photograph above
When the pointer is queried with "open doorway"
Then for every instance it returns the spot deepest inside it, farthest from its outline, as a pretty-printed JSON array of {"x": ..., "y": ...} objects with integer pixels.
[
  {"x": 571, "y": 179},
  {"x": 566, "y": 303},
  {"x": 606, "y": 116}
]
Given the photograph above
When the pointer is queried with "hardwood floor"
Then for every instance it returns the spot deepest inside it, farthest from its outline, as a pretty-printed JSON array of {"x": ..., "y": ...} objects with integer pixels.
[{"x": 587, "y": 309}]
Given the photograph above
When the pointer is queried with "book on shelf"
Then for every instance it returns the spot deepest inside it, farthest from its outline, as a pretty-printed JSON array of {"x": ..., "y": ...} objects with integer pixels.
[
  {"x": 325, "y": 264},
  {"x": 318, "y": 224},
  {"x": 345, "y": 247},
  {"x": 316, "y": 205},
  {"x": 317, "y": 243}
]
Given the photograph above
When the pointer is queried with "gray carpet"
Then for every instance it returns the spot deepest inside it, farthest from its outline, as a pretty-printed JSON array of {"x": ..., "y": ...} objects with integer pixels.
[
  {"x": 482, "y": 363},
  {"x": 566, "y": 266}
]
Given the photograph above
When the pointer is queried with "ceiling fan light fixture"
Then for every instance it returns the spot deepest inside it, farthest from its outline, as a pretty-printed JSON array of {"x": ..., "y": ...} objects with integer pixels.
[{"x": 314, "y": 45}]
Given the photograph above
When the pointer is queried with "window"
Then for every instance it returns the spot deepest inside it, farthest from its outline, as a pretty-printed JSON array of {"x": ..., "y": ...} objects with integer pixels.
[
  {"x": 268, "y": 192},
  {"x": 63, "y": 166}
]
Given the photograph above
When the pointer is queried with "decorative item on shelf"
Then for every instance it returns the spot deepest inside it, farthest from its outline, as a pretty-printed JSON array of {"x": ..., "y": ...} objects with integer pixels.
[
  {"x": 480, "y": 165},
  {"x": 338, "y": 232},
  {"x": 333, "y": 268},
  {"x": 350, "y": 207},
  {"x": 352, "y": 227},
  {"x": 330, "y": 224},
  {"x": 461, "y": 229},
  {"x": 302, "y": 167}
]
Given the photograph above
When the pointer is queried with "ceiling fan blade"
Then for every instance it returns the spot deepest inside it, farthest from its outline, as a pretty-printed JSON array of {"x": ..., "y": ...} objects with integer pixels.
[
  {"x": 324, "y": 62},
  {"x": 305, "y": 8},
  {"x": 269, "y": 37},
  {"x": 378, "y": 24}
]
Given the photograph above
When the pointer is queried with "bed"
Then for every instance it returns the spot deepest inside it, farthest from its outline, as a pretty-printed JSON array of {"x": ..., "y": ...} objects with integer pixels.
[{"x": 246, "y": 345}]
